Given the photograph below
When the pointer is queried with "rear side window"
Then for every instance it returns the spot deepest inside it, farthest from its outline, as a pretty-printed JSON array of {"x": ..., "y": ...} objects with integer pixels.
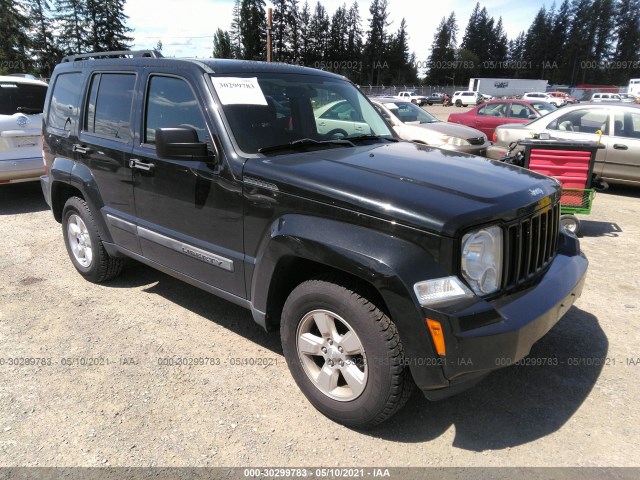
[
  {"x": 109, "y": 105},
  {"x": 171, "y": 103},
  {"x": 21, "y": 98},
  {"x": 64, "y": 101}
]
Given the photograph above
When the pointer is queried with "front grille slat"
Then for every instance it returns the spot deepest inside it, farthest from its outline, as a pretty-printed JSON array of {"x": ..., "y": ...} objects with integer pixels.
[{"x": 531, "y": 246}]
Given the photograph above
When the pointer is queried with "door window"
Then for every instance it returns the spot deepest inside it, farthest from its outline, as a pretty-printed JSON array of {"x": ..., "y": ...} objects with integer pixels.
[
  {"x": 171, "y": 103},
  {"x": 518, "y": 110},
  {"x": 109, "y": 105},
  {"x": 627, "y": 125}
]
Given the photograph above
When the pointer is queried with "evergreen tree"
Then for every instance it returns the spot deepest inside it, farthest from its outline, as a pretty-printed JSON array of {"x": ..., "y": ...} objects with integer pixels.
[
  {"x": 579, "y": 42},
  {"x": 627, "y": 19},
  {"x": 71, "y": 21},
  {"x": 535, "y": 46},
  {"x": 14, "y": 25},
  {"x": 280, "y": 30},
  {"x": 304, "y": 19},
  {"x": 293, "y": 21},
  {"x": 443, "y": 53},
  {"x": 401, "y": 66},
  {"x": 603, "y": 24},
  {"x": 109, "y": 25},
  {"x": 557, "y": 41},
  {"x": 319, "y": 35},
  {"x": 222, "y": 44},
  {"x": 253, "y": 28},
  {"x": 42, "y": 45},
  {"x": 498, "y": 52},
  {"x": 354, "y": 34},
  {"x": 234, "y": 33},
  {"x": 338, "y": 37},
  {"x": 376, "y": 45}
]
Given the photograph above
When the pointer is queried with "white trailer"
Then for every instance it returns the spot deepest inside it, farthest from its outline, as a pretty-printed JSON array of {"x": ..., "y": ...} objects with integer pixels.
[{"x": 506, "y": 87}]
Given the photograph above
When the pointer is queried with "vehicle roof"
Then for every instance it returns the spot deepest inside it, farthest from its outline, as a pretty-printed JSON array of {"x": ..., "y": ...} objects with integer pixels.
[
  {"x": 210, "y": 65},
  {"x": 389, "y": 100},
  {"x": 15, "y": 79}
]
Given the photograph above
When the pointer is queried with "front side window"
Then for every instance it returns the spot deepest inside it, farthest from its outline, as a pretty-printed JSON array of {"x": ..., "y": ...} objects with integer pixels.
[
  {"x": 411, "y": 113},
  {"x": 109, "y": 105},
  {"x": 583, "y": 121},
  {"x": 65, "y": 99},
  {"x": 171, "y": 103}
]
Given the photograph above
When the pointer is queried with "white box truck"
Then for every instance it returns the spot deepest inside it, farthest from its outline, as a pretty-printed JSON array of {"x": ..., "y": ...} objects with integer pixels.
[{"x": 506, "y": 87}]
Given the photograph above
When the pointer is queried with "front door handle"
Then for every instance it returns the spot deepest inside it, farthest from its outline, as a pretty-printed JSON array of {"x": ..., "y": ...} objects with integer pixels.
[
  {"x": 80, "y": 148},
  {"x": 620, "y": 146},
  {"x": 138, "y": 165}
]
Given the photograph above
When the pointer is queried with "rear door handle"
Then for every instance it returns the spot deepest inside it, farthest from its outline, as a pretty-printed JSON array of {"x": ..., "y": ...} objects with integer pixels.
[
  {"x": 620, "y": 146},
  {"x": 138, "y": 165},
  {"x": 81, "y": 148}
]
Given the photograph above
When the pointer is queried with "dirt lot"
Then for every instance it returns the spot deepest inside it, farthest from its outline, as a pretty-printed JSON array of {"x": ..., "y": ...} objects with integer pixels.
[{"x": 135, "y": 412}]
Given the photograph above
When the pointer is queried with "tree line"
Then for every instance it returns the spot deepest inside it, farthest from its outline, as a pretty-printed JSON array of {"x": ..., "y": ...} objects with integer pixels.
[
  {"x": 581, "y": 42},
  {"x": 36, "y": 34},
  {"x": 309, "y": 35}
]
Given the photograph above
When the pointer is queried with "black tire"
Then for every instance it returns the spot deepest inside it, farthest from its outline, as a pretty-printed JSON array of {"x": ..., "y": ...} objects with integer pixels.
[
  {"x": 570, "y": 223},
  {"x": 336, "y": 131},
  {"x": 387, "y": 382},
  {"x": 100, "y": 266},
  {"x": 458, "y": 103},
  {"x": 429, "y": 103}
]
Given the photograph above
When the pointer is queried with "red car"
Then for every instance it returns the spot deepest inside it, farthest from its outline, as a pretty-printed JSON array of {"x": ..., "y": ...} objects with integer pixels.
[{"x": 488, "y": 116}]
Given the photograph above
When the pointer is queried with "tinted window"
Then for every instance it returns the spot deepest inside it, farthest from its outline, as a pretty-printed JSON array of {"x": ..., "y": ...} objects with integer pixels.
[
  {"x": 109, "y": 105},
  {"x": 64, "y": 101},
  {"x": 171, "y": 103},
  {"x": 19, "y": 97}
]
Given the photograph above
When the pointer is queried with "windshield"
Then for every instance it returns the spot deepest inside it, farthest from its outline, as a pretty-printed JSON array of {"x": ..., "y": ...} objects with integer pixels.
[
  {"x": 543, "y": 107},
  {"x": 21, "y": 97},
  {"x": 272, "y": 109},
  {"x": 410, "y": 113}
]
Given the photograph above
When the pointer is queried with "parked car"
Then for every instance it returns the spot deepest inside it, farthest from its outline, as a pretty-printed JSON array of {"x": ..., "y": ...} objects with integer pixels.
[
  {"x": 605, "y": 97},
  {"x": 486, "y": 97},
  {"x": 488, "y": 116},
  {"x": 21, "y": 104},
  {"x": 435, "y": 98},
  {"x": 466, "y": 98},
  {"x": 416, "y": 125},
  {"x": 567, "y": 99},
  {"x": 413, "y": 97},
  {"x": 628, "y": 98},
  {"x": 618, "y": 162},
  {"x": 545, "y": 97},
  {"x": 383, "y": 264}
]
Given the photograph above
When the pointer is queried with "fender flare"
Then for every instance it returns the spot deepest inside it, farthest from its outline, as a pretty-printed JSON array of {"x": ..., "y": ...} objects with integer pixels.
[{"x": 388, "y": 263}]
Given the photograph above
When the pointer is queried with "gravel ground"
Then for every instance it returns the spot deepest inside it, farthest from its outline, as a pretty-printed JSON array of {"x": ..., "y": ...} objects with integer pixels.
[{"x": 130, "y": 411}]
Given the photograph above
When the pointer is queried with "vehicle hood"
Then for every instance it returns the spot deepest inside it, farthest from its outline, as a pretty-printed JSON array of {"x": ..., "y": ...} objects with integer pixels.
[{"x": 432, "y": 189}]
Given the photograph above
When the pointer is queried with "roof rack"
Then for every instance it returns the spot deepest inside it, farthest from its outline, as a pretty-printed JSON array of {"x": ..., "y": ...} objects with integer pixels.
[{"x": 115, "y": 54}]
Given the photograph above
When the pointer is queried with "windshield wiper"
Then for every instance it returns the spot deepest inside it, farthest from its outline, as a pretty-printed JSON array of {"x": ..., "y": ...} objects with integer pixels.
[
  {"x": 303, "y": 143},
  {"x": 28, "y": 110},
  {"x": 371, "y": 137}
]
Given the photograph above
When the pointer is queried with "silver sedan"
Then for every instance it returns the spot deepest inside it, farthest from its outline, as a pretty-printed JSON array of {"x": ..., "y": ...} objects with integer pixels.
[{"x": 616, "y": 126}]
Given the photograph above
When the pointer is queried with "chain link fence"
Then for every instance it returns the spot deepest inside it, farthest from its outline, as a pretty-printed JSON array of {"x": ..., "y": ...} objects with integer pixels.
[{"x": 425, "y": 90}]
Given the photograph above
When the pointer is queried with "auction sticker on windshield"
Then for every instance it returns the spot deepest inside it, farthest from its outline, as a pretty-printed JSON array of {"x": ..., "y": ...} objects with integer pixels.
[{"x": 239, "y": 91}]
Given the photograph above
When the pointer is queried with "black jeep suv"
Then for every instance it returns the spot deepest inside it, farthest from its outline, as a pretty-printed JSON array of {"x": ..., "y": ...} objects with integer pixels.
[{"x": 384, "y": 264}]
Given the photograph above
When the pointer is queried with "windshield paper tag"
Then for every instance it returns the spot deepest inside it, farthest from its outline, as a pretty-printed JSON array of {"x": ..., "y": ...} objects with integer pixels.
[{"x": 239, "y": 91}]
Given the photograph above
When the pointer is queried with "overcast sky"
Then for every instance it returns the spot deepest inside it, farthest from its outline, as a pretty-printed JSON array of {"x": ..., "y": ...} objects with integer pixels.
[{"x": 186, "y": 27}]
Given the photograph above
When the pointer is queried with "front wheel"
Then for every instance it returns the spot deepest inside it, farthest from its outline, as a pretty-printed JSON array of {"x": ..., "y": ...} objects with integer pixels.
[
  {"x": 458, "y": 103},
  {"x": 344, "y": 353},
  {"x": 570, "y": 223},
  {"x": 84, "y": 244}
]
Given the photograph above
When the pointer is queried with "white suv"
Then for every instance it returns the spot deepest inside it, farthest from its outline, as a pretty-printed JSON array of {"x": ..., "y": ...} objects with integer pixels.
[
  {"x": 466, "y": 98},
  {"x": 544, "y": 97},
  {"x": 21, "y": 104}
]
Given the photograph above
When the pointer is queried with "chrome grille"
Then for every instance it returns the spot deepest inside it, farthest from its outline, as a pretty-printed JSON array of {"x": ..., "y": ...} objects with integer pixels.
[
  {"x": 531, "y": 245},
  {"x": 476, "y": 140}
]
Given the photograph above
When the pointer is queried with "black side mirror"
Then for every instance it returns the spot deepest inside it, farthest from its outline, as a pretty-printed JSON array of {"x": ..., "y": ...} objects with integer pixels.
[
  {"x": 180, "y": 143},
  {"x": 533, "y": 116}
]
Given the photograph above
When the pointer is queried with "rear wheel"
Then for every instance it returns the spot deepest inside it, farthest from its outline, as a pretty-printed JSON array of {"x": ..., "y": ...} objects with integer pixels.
[
  {"x": 84, "y": 244},
  {"x": 344, "y": 353}
]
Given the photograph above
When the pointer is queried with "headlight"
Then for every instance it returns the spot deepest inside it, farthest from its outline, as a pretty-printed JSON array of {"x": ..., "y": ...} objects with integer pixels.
[
  {"x": 482, "y": 259},
  {"x": 455, "y": 141}
]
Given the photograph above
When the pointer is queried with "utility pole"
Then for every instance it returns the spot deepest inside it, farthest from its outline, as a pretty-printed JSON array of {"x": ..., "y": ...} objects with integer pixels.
[{"x": 269, "y": 34}]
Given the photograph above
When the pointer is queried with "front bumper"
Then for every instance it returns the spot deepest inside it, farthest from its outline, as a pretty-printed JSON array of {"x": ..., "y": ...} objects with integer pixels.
[
  {"x": 480, "y": 150},
  {"x": 484, "y": 336}
]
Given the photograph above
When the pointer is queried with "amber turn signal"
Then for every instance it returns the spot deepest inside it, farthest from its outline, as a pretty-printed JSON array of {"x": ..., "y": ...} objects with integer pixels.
[{"x": 438, "y": 337}]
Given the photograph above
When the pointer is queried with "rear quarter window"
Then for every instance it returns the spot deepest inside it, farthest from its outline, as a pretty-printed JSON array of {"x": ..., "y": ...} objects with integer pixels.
[{"x": 63, "y": 110}]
